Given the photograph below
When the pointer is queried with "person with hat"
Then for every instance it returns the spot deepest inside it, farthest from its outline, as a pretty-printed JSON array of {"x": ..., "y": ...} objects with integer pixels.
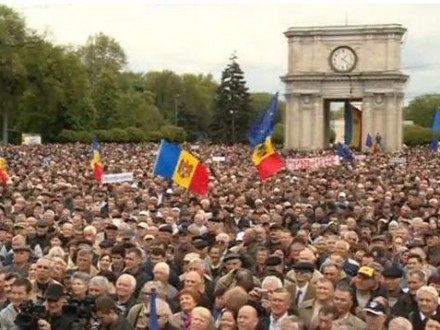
[
  {"x": 54, "y": 298},
  {"x": 42, "y": 237},
  {"x": 432, "y": 239},
  {"x": 366, "y": 287},
  {"x": 20, "y": 260},
  {"x": 302, "y": 289},
  {"x": 392, "y": 278},
  {"x": 376, "y": 316}
]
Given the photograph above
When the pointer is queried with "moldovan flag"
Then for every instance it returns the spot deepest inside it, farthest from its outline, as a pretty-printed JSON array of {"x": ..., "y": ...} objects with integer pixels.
[
  {"x": 266, "y": 159},
  {"x": 182, "y": 167},
  {"x": 3, "y": 174},
  {"x": 96, "y": 161}
]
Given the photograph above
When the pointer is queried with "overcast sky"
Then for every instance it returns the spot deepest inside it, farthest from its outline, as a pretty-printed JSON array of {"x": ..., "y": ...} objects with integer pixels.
[{"x": 200, "y": 38}]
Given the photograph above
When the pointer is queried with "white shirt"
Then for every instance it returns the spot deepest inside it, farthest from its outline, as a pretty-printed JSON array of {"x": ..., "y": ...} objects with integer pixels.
[
  {"x": 275, "y": 324},
  {"x": 303, "y": 293}
]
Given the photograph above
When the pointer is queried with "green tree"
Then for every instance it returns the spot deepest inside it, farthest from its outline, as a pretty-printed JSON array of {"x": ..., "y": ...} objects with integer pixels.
[
  {"x": 106, "y": 98},
  {"x": 136, "y": 109},
  {"x": 232, "y": 114},
  {"x": 13, "y": 41},
  {"x": 57, "y": 94},
  {"x": 421, "y": 109},
  {"x": 166, "y": 87},
  {"x": 102, "y": 52}
]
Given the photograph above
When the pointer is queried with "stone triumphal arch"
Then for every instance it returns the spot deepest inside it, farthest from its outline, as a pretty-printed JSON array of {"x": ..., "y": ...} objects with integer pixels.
[{"x": 344, "y": 63}]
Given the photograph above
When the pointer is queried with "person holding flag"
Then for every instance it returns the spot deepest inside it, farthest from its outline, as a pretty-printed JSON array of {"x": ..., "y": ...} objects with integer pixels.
[
  {"x": 3, "y": 173},
  {"x": 265, "y": 158},
  {"x": 96, "y": 161}
]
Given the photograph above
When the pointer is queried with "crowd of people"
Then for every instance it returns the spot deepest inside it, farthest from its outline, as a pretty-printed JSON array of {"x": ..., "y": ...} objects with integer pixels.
[{"x": 349, "y": 247}]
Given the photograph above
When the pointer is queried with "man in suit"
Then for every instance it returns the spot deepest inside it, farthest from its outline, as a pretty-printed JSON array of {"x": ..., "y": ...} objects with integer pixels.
[
  {"x": 280, "y": 303},
  {"x": 309, "y": 309},
  {"x": 303, "y": 289},
  {"x": 407, "y": 302},
  {"x": 343, "y": 301},
  {"x": 427, "y": 303}
]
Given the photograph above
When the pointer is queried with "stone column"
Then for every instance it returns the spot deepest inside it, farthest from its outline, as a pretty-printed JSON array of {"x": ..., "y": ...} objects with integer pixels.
[
  {"x": 293, "y": 121},
  {"x": 318, "y": 123},
  {"x": 367, "y": 118}
]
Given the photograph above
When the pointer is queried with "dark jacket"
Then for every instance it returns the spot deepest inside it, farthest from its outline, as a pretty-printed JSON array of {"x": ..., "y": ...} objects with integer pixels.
[
  {"x": 120, "y": 324},
  {"x": 61, "y": 322},
  {"x": 405, "y": 304},
  {"x": 416, "y": 321}
]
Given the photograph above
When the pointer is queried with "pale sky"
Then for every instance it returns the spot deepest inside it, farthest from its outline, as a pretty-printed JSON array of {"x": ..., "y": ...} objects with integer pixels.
[{"x": 199, "y": 38}]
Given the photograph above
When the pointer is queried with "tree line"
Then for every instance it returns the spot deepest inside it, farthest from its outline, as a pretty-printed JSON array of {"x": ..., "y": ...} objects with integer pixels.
[{"x": 73, "y": 92}]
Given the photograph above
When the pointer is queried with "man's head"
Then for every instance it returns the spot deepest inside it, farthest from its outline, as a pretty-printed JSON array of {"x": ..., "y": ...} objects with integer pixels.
[
  {"x": 84, "y": 260},
  {"x": 98, "y": 286},
  {"x": 125, "y": 285},
  {"x": 427, "y": 299},
  {"x": 192, "y": 280},
  {"x": 332, "y": 272},
  {"x": 247, "y": 318},
  {"x": 376, "y": 315},
  {"x": 20, "y": 291},
  {"x": 106, "y": 310},
  {"x": 365, "y": 279},
  {"x": 45, "y": 267},
  {"x": 433, "y": 323},
  {"x": 133, "y": 259},
  {"x": 324, "y": 290},
  {"x": 416, "y": 279},
  {"x": 53, "y": 296},
  {"x": 343, "y": 299},
  {"x": 280, "y": 302},
  {"x": 327, "y": 314},
  {"x": 161, "y": 272}
]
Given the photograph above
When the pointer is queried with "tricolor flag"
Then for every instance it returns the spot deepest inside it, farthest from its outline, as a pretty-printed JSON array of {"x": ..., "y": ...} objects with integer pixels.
[
  {"x": 182, "y": 167},
  {"x": 3, "y": 173},
  {"x": 96, "y": 161},
  {"x": 264, "y": 156},
  {"x": 266, "y": 159}
]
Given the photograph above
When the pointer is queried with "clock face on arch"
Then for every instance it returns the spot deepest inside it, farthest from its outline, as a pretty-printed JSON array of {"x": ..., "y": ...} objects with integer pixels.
[{"x": 343, "y": 59}]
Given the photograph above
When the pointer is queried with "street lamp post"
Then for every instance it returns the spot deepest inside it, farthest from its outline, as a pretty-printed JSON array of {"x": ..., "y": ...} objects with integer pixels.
[
  {"x": 176, "y": 109},
  {"x": 232, "y": 112}
]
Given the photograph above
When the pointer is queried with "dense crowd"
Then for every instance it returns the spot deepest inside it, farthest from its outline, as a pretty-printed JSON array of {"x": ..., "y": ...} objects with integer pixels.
[{"x": 349, "y": 247}]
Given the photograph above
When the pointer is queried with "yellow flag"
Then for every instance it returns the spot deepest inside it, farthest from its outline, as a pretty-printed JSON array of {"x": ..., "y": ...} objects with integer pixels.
[
  {"x": 186, "y": 166},
  {"x": 262, "y": 151}
]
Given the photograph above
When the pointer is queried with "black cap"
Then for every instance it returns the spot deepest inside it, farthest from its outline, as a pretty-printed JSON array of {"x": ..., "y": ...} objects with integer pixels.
[
  {"x": 215, "y": 219},
  {"x": 107, "y": 243},
  {"x": 274, "y": 260},
  {"x": 200, "y": 243},
  {"x": 54, "y": 291},
  {"x": 41, "y": 223},
  {"x": 84, "y": 242},
  {"x": 275, "y": 226},
  {"x": 393, "y": 271},
  {"x": 375, "y": 308},
  {"x": 304, "y": 266},
  {"x": 378, "y": 238},
  {"x": 166, "y": 229},
  {"x": 111, "y": 227},
  {"x": 232, "y": 256},
  {"x": 22, "y": 248}
]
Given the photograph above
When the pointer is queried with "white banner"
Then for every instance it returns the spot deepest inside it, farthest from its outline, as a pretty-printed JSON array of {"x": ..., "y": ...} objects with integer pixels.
[
  {"x": 117, "y": 177},
  {"x": 311, "y": 163},
  {"x": 218, "y": 158},
  {"x": 397, "y": 161},
  {"x": 27, "y": 138}
]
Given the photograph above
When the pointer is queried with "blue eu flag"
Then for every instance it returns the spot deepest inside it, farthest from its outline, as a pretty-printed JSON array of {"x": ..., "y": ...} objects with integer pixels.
[{"x": 263, "y": 126}]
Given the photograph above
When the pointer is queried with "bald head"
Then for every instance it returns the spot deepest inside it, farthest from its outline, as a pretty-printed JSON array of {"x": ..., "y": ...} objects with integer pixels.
[{"x": 247, "y": 318}]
